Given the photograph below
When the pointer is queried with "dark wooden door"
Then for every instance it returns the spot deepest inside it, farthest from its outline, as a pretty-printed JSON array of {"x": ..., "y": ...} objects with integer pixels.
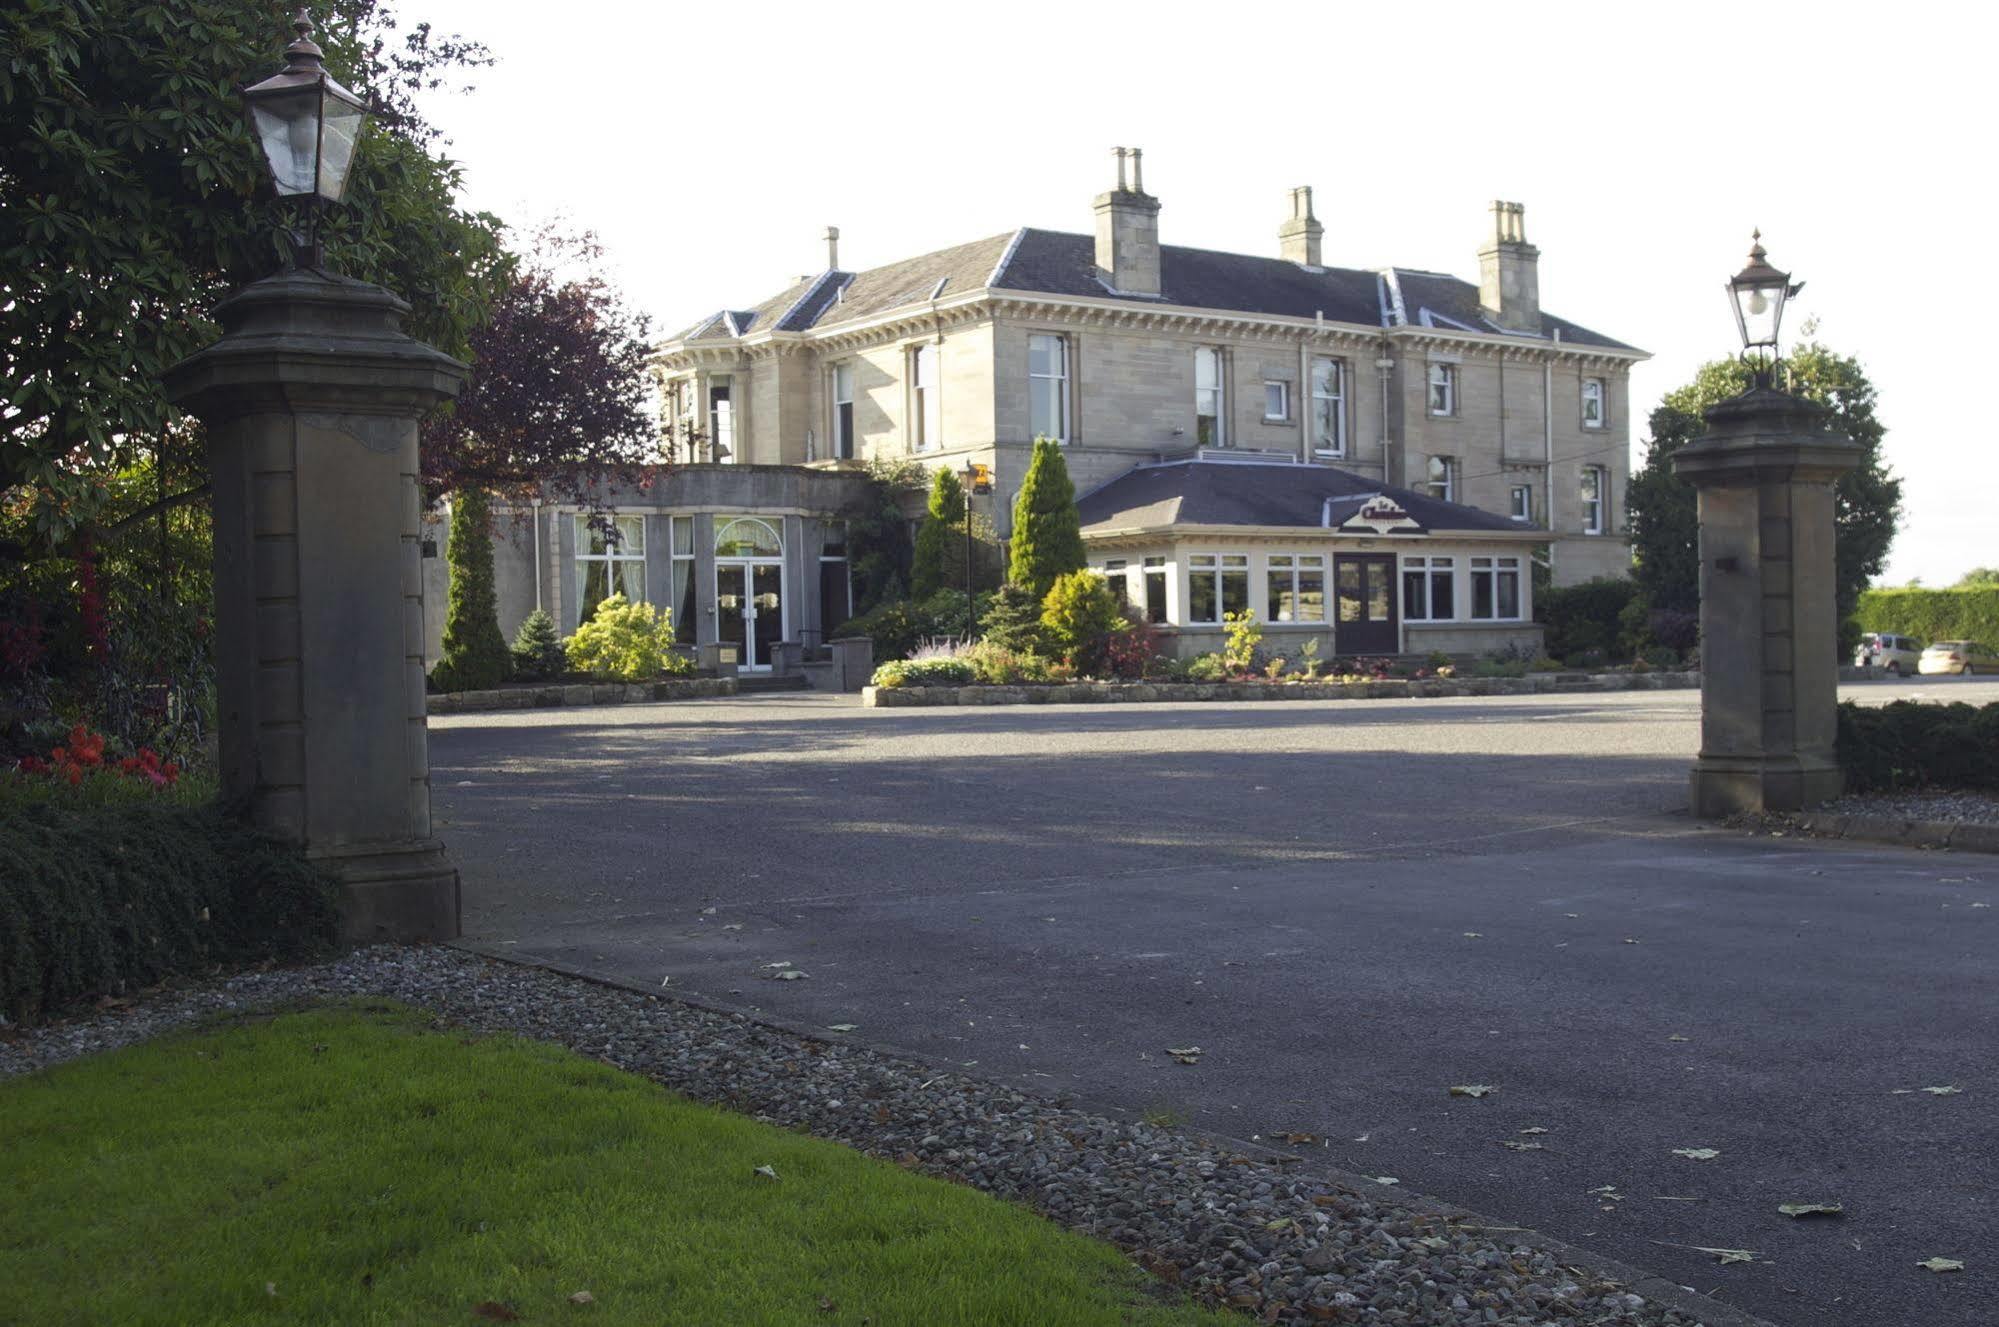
[{"x": 1364, "y": 590}]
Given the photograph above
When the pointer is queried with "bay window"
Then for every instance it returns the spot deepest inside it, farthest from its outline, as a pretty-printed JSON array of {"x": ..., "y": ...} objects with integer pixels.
[
  {"x": 1217, "y": 585},
  {"x": 1429, "y": 589},
  {"x": 1297, "y": 587},
  {"x": 1495, "y": 589}
]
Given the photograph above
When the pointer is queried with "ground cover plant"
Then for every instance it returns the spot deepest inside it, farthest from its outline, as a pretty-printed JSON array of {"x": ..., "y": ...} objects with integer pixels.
[
  {"x": 357, "y": 1165},
  {"x": 1913, "y": 744}
]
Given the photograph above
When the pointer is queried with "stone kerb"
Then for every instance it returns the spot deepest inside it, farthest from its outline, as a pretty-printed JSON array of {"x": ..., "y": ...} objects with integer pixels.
[
  {"x": 1114, "y": 693},
  {"x": 586, "y": 693}
]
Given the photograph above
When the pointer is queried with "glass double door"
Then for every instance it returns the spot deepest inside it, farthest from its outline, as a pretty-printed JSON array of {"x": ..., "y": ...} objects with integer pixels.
[
  {"x": 1364, "y": 590},
  {"x": 750, "y": 611}
]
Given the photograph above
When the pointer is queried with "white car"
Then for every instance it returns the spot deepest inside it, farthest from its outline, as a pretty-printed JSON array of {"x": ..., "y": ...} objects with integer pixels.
[{"x": 1888, "y": 652}]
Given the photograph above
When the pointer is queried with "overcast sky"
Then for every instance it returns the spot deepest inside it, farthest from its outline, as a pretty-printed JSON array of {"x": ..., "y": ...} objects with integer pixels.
[{"x": 710, "y": 145}]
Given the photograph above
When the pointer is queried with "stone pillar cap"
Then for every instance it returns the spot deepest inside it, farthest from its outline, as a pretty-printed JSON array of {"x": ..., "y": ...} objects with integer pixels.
[
  {"x": 1765, "y": 434},
  {"x": 313, "y": 339}
]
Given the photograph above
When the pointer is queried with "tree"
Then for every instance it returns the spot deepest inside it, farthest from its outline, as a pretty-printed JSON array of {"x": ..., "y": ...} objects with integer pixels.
[
  {"x": 935, "y": 541},
  {"x": 475, "y": 656},
  {"x": 1047, "y": 536},
  {"x": 558, "y": 393},
  {"x": 1866, "y": 500},
  {"x": 132, "y": 199},
  {"x": 1975, "y": 579},
  {"x": 537, "y": 649},
  {"x": 1081, "y": 610}
]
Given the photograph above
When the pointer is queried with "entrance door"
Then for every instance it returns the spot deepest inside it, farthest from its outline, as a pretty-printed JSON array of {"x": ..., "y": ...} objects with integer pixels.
[
  {"x": 749, "y": 611},
  {"x": 1365, "y": 590}
]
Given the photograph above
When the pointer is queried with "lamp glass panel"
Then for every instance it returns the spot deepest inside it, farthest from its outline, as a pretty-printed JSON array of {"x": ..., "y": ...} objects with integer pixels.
[
  {"x": 287, "y": 128},
  {"x": 336, "y": 155},
  {"x": 1760, "y": 306}
]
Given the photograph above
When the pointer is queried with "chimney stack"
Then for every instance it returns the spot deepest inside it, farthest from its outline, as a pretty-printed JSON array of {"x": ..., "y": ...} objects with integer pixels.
[
  {"x": 1509, "y": 276},
  {"x": 1298, "y": 237},
  {"x": 832, "y": 248},
  {"x": 1128, "y": 231}
]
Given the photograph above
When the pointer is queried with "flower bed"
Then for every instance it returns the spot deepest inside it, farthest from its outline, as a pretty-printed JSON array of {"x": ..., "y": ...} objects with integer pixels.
[{"x": 1084, "y": 693}]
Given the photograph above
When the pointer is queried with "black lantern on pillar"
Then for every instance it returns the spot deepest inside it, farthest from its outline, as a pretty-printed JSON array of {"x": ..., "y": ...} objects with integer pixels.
[
  {"x": 307, "y": 126},
  {"x": 1757, "y": 294}
]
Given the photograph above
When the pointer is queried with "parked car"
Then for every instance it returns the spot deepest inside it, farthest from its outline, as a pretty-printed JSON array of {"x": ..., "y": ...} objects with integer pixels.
[
  {"x": 1888, "y": 652},
  {"x": 1963, "y": 657}
]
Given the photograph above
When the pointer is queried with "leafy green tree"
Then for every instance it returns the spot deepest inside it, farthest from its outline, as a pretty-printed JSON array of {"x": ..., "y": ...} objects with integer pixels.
[
  {"x": 1079, "y": 615},
  {"x": 132, "y": 198},
  {"x": 475, "y": 654},
  {"x": 1047, "y": 535},
  {"x": 626, "y": 642},
  {"x": 940, "y": 536},
  {"x": 1976, "y": 578},
  {"x": 1867, "y": 500},
  {"x": 878, "y": 547}
]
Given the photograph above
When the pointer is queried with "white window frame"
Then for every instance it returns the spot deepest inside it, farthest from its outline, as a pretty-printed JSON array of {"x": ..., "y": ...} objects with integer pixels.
[
  {"x": 844, "y": 441},
  {"x": 1280, "y": 391},
  {"x": 1595, "y": 400},
  {"x": 1117, "y": 572},
  {"x": 615, "y": 552},
  {"x": 1220, "y": 566},
  {"x": 1522, "y": 503},
  {"x": 1593, "y": 491},
  {"x": 1292, "y": 566},
  {"x": 1433, "y": 570},
  {"x": 722, "y": 419},
  {"x": 926, "y": 399},
  {"x": 1333, "y": 402},
  {"x": 1215, "y": 397},
  {"x": 1443, "y": 388},
  {"x": 1496, "y": 571},
  {"x": 1060, "y": 377},
  {"x": 1156, "y": 566},
  {"x": 1448, "y": 485}
]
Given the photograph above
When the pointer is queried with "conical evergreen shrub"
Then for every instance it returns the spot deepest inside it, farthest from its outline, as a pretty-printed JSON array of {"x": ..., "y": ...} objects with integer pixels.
[
  {"x": 940, "y": 536},
  {"x": 1047, "y": 535},
  {"x": 538, "y": 653},
  {"x": 475, "y": 653}
]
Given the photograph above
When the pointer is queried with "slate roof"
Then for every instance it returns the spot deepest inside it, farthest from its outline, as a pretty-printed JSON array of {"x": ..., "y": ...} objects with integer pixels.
[
  {"x": 1056, "y": 262},
  {"x": 1258, "y": 494}
]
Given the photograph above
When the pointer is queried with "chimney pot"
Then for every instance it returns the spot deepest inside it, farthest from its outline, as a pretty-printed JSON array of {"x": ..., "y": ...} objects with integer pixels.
[
  {"x": 1128, "y": 232},
  {"x": 833, "y": 248},
  {"x": 1298, "y": 238},
  {"x": 1509, "y": 279}
]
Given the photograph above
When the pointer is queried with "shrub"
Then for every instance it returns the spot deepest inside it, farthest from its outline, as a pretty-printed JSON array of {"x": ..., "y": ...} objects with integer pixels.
[
  {"x": 944, "y": 612},
  {"x": 1662, "y": 656},
  {"x": 1674, "y": 629},
  {"x": 933, "y": 672},
  {"x": 1499, "y": 668},
  {"x": 538, "y": 652},
  {"x": 1308, "y": 658},
  {"x": 1013, "y": 621},
  {"x": 1078, "y": 614},
  {"x": 105, "y": 899},
  {"x": 896, "y": 628},
  {"x": 1274, "y": 670},
  {"x": 997, "y": 665},
  {"x": 1583, "y": 617},
  {"x": 1585, "y": 660},
  {"x": 625, "y": 642},
  {"x": 1244, "y": 635},
  {"x": 475, "y": 656},
  {"x": 1545, "y": 665},
  {"x": 1207, "y": 668},
  {"x": 939, "y": 536},
  {"x": 1912, "y": 744},
  {"x": 1131, "y": 650},
  {"x": 1971, "y": 613}
]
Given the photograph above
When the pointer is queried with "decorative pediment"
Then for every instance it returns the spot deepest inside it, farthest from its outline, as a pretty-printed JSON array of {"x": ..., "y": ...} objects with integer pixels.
[{"x": 1382, "y": 515}]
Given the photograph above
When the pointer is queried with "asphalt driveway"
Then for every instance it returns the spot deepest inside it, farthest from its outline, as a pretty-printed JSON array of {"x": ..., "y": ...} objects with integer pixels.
[{"x": 1350, "y": 907}]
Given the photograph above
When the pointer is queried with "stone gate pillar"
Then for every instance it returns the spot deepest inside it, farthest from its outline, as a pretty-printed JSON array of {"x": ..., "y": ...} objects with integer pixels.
[
  {"x": 311, "y": 398},
  {"x": 1764, "y": 473}
]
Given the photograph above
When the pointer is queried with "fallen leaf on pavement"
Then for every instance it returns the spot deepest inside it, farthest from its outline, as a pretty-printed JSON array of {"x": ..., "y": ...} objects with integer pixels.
[
  {"x": 1629, "y": 941},
  {"x": 1472, "y": 1090},
  {"x": 842, "y": 1027},
  {"x": 1722, "y": 1256},
  {"x": 1810, "y": 1209},
  {"x": 1677, "y": 1037},
  {"x": 1948, "y": 1091},
  {"x": 1941, "y": 1265},
  {"x": 1474, "y": 935},
  {"x": 768, "y": 1172},
  {"x": 1515, "y": 1145},
  {"x": 1300, "y": 1137},
  {"x": 1696, "y": 1153},
  {"x": 782, "y": 963},
  {"x": 1384, "y": 1179},
  {"x": 1534, "y": 1129},
  {"x": 790, "y": 974},
  {"x": 1185, "y": 1054}
]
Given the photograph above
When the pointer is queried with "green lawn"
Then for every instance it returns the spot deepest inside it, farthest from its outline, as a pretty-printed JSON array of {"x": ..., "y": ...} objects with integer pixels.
[{"x": 351, "y": 1165}]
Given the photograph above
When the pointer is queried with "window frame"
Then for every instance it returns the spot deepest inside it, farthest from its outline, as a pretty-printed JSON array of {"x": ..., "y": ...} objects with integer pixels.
[
  {"x": 1217, "y": 356},
  {"x": 1221, "y": 569},
  {"x": 1596, "y": 504},
  {"x": 1444, "y": 375},
  {"x": 722, "y": 418},
  {"x": 1601, "y": 399},
  {"x": 1496, "y": 571},
  {"x": 1452, "y": 474},
  {"x": 680, "y": 564},
  {"x": 1433, "y": 570},
  {"x": 1065, "y": 368},
  {"x": 1338, "y": 399},
  {"x": 1519, "y": 510},
  {"x": 1155, "y": 569},
  {"x": 615, "y": 553},
  {"x": 1293, "y": 567},
  {"x": 843, "y": 410},
  {"x": 926, "y": 400},
  {"x": 1283, "y": 392}
]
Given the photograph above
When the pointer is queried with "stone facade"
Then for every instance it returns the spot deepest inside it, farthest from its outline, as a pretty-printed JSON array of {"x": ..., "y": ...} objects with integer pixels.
[{"x": 827, "y": 373}]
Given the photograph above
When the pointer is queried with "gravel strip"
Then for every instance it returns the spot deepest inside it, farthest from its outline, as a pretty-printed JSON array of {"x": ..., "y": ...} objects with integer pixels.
[
  {"x": 1957, "y": 808},
  {"x": 1229, "y": 1226}
]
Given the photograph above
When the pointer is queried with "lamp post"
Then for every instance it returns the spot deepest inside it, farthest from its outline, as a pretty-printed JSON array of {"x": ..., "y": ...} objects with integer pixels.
[
  {"x": 977, "y": 479},
  {"x": 307, "y": 126},
  {"x": 1763, "y": 474},
  {"x": 311, "y": 399}
]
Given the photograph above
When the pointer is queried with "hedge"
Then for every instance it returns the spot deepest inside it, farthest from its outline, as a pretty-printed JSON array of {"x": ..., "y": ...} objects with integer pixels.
[
  {"x": 1585, "y": 617},
  {"x": 1932, "y": 615},
  {"x": 1913, "y": 744},
  {"x": 102, "y": 900}
]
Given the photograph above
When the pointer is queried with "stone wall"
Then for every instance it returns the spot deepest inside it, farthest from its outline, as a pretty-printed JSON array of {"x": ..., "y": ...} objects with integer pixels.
[{"x": 1086, "y": 693}]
